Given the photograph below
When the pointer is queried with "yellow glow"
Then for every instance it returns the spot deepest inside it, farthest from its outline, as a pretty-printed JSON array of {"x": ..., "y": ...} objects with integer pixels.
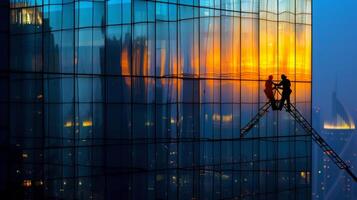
[
  {"x": 230, "y": 52},
  {"x": 249, "y": 49},
  {"x": 303, "y": 174},
  {"x": 339, "y": 126},
  {"x": 303, "y": 53},
  {"x": 27, "y": 183},
  {"x": 216, "y": 117},
  {"x": 268, "y": 49},
  {"x": 26, "y": 16},
  {"x": 87, "y": 123},
  {"x": 225, "y": 118},
  {"x": 286, "y": 45},
  {"x": 68, "y": 124},
  {"x": 208, "y": 62},
  {"x": 225, "y": 177},
  {"x": 235, "y": 48}
]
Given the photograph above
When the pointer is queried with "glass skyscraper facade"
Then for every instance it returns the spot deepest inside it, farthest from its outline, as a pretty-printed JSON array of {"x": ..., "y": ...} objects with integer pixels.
[{"x": 134, "y": 99}]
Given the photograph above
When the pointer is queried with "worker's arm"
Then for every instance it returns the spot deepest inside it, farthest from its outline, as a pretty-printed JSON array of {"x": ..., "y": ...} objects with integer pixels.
[{"x": 278, "y": 85}]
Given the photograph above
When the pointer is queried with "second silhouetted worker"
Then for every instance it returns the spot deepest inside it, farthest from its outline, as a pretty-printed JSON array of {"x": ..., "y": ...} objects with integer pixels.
[
  {"x": 269, "y": 92},
  {"x": 285, "y": 85}
]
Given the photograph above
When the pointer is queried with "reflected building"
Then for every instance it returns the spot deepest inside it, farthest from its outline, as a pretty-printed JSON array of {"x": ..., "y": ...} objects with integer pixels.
[
  {"x": 339, "y": 131},
  {"x": 329, "y": 181},
  {"x": 146, "y": 99}
]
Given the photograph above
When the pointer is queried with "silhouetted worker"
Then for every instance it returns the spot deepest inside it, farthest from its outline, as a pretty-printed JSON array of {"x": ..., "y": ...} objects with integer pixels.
[
  {"x": 285, "y": 85},
  {"x": 269, "y": 92}
]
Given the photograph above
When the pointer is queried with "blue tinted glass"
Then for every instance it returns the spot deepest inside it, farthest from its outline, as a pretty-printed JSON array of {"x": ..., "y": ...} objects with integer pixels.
[
  {"x": 67, "y": 51},
  {"x": 85, "y": 11},
  {"x": 52, "y": 41},
  {"x": 114, "y": 11},
  {"x": 140, "y": 11},
  {"x": 68, "y": 16},
  {"x": 85, "y": 51},
  {"x": 118, "y": 50},
  {"x": 55, "y": 17},
  {"x": 146, "y": 99},
  {"x": 98, "y": 51},
  {"x": 55, "y": 1},
  {"x": 98, "y": 14},
  {"x": 126, "y": 7}
]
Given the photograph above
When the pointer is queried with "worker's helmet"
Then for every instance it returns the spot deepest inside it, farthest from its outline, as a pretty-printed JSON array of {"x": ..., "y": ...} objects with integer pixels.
[{"x": 283, "y": 76}]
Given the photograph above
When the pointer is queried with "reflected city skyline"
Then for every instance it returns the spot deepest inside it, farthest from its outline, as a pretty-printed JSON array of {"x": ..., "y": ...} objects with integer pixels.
[{"x": 145, "y": 99}]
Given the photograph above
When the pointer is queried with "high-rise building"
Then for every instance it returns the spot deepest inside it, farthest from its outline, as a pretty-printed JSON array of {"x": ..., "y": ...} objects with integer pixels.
[{"x": 122, "y": 99}]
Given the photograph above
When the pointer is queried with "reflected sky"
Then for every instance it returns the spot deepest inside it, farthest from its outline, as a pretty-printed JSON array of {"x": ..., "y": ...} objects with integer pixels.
[
  {"x": 334, "y": 67},
  {"x": 334, "y": 53}
]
